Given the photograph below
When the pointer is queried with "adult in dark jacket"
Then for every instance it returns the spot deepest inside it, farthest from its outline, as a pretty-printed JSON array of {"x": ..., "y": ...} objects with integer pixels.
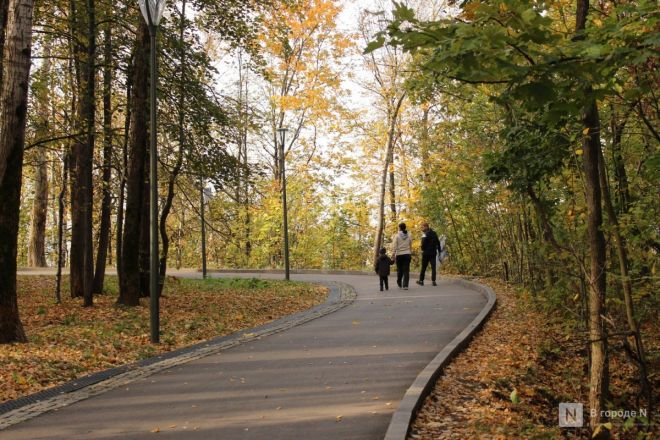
[
  {"x": 430, "y": 249},
  {"x": 382, "y": 268}
]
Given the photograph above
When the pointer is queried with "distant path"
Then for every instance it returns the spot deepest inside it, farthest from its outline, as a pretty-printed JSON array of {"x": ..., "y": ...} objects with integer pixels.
[{"x": 338, "y": 377}]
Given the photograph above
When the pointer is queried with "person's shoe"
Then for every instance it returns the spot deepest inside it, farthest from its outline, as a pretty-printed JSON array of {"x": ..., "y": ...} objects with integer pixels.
[
  {"x": 405, "y": 288},
  {"x": 381, "y": 289},
  {"x": 420, "y": 282},
  {"x": 398, "y": 284},
  {"x": 434, "y": 283}
]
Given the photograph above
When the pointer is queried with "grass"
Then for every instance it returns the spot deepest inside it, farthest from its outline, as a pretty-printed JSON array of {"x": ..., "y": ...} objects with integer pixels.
[{"x": 67, "y": 341}]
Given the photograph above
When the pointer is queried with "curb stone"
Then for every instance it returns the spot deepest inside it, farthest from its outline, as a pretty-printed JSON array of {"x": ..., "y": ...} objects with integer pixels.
[
  {"x": 414, "y": 397},
  {"x": 25, "y": 408}
]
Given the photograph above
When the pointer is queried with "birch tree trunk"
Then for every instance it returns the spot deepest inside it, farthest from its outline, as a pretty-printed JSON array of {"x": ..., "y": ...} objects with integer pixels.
[
  {"x": 13, "y": 109},
  {"x": 378, "y": 242},
  {"x": 37, "y": 244}
]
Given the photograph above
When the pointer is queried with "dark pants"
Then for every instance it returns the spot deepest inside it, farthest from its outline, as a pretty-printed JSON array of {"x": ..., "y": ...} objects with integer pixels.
[
  {"x": 383, "y": 282},
  {"x": 426, "y": 259},
  {"x": 402, "y": 270}
]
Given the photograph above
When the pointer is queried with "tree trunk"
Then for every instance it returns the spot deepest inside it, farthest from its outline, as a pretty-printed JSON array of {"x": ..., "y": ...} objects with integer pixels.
[
  {"x": 597, "y": 333},
  {"x": 106, "y": 203},
  {"x": 37, "y": 245},
  {"x": 122, "y": 180},
  {"x": 83, "y": 152},
  {"x": 378, "y": 241},
  {"x": 622, "y": 254},
  {"x": 392, "y": 186},
  {"x": 4, "y": 8},
  {"x": 145, "y": 248},
  {"x": 61, "y": 202},
  {"x": 13, "y": 110},
  {"x": 179, "y": 160},
  {"x": 129, "y": 292},
  {"x": 621, "y": 177}
]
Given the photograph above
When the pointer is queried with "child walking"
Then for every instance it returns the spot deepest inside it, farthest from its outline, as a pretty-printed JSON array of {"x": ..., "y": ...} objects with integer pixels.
[{"x": 383, "y": 268}]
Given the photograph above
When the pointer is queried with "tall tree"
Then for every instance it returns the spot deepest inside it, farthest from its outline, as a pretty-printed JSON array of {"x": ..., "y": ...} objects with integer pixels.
[
  {"x": 385, "y": 84},
  {"x": 598, "y": 381},
  {"x": 83, "y": 14},
  {"x": 302, "y": 47},
  {"x": 129, "y": 291},
  {"x": 13, "y": 109},
  {"x": 106, "y": 202},
  {"x": 42, "y": 90},
  {"x": 176, "y": 169}
]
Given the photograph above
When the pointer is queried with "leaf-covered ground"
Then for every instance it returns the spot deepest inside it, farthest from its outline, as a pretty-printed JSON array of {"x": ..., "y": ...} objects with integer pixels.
[
  {"x": 67, "y": 341},
  {"x": 510, "y": 380}
]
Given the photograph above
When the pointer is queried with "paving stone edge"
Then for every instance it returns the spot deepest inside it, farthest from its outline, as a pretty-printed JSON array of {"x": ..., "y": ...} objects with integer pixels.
[
  {"x": 413, "y": 399},
  {"x": 27, "y": 407}
]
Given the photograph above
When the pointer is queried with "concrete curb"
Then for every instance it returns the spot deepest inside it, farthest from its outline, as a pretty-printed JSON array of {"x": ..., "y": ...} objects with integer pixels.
[
  {"x": 293, "y": 271},
  {"x": 27, "y": 407},
  {"x": 423, "y": 385}
]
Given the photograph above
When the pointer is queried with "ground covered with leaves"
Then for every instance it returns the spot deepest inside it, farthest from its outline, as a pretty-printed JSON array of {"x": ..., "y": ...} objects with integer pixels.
[
  {"x": 510, "y": 380},
  {"x": 67, "y": 341}
]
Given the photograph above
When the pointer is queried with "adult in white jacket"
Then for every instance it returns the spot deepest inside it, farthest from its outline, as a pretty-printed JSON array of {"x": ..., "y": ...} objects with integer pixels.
[{"x": 401, "y": 251}]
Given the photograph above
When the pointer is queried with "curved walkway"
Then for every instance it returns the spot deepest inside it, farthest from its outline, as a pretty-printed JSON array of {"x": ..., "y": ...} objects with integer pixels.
[{"x": 340, "y": 376}]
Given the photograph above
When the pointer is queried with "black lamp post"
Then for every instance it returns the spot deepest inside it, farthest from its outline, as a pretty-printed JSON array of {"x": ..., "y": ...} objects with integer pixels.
[
  {"x": 282, "y": 138},
  {"x": 152, "y": 10},
  {"x": 202, "y": 204}
]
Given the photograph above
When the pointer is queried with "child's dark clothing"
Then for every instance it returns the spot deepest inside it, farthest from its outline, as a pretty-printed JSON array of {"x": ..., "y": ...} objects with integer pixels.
[{"x": 383, "y": 270}]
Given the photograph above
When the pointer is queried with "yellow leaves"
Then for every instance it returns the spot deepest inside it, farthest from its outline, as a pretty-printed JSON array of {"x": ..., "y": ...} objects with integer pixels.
[
  {"x": 469, "y": 10},
  {"x": 600, "y": 428},
  {"x": 585, "y": 131},
  {"x": 479, "y": 393},
  {"x": 579, "y": 151}
]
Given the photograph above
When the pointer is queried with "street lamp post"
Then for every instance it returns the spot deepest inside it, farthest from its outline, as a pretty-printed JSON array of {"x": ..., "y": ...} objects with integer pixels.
[
  {"x": 202, "y": 203},
  {"x": 152, "y": 10},
  {"x": 282, "y": 137}
]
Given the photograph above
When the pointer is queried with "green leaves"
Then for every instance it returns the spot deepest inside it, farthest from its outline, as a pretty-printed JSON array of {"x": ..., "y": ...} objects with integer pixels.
[
  {"x": 515, "y": 399},
  {"x": 376, "y": 44},
  {"x": 403, "y": 13},
  {"x": 529, "y": 16}
]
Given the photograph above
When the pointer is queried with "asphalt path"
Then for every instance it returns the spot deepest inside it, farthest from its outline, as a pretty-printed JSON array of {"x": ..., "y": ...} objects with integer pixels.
[{"x": 340, "y": 376}]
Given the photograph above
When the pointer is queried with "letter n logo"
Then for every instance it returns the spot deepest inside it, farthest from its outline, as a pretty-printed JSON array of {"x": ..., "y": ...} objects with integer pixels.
[{"x": 570, "y": 415}]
